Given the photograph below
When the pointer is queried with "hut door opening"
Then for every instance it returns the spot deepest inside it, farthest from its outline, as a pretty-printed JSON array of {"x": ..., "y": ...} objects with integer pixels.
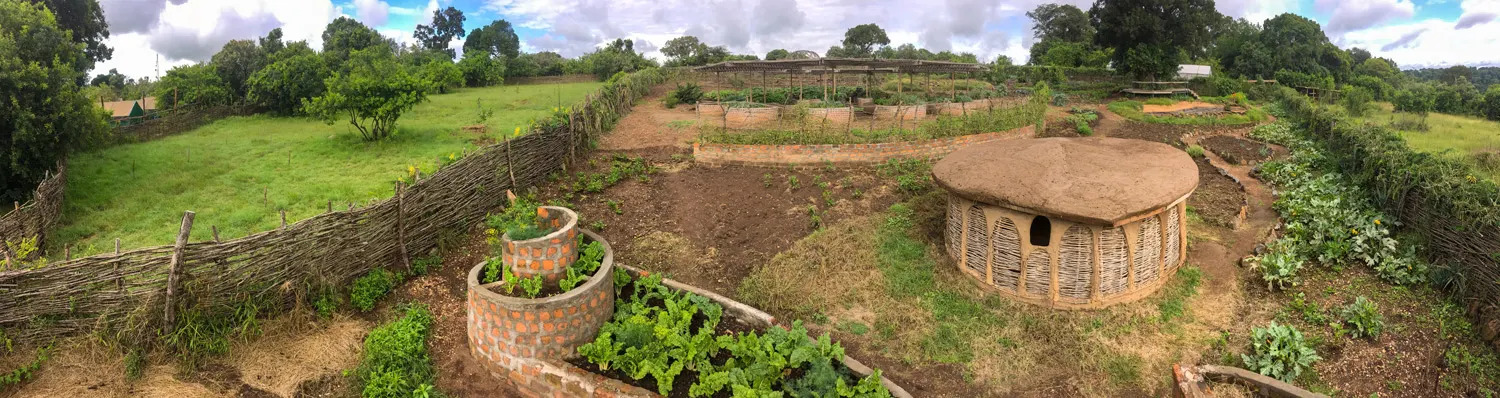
[{"x": 1041, "y": 231}]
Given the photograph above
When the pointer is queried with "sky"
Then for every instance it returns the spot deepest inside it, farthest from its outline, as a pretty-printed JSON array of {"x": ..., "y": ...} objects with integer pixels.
[{"x": 154, "y": 35}]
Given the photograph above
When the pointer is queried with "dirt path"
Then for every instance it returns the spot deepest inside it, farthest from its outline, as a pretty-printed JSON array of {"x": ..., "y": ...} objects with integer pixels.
[
  {"x": 1220, "y": 257},
  {"x": 1109, "y": 122},
  {"x": 650, "y": 124}
]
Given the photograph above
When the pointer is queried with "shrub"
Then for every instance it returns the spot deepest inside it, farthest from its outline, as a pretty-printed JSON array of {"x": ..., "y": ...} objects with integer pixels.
[
  {"x": 192, "y": 85},
  {"x": 372, "y": 94},
  {"x": 1220, "y": 85},
  {"x": 689, "y": 93},
  {"x": 1279, "y": 351},
  {"x": 1356, "y": 100},
  {"x": 444, "y": 75},
  {"x": 283, "y": 85},
  {"x": 1491, "y": 105},
  {"x": 396, "y": 363},
  {"x": 1238, "y": 98},
  {"x": 1417, "y": 99},
  {"x": 1363, "y": 317},
  {"x": 371, "y": 288},
  {"x": 481, "y": 69}
]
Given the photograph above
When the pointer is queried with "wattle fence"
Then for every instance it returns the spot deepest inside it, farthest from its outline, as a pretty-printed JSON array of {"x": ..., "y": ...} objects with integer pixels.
[
  {"x": 131, "y": 294},
  {"x": 35, "y": 217}
]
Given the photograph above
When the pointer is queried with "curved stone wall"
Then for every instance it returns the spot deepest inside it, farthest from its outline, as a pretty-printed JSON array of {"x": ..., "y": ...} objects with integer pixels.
[
  {"x": 1067, "y": 265},
  {"x": 549, "y": 255}
]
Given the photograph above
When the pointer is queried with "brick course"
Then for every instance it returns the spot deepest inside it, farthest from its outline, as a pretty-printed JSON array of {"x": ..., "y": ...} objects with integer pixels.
[
  {"x": 550, "y": 254},
  {"x": 792, "y": 155}
]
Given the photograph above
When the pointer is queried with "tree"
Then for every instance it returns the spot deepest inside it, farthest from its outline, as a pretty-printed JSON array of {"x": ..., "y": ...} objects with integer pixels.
[
  {"x": 1359, "y": 55},
  {"x": 444, "y": 76},
  {"x": 345, "y": 35},
  {"x": 446, "y": 24},
  {"x": 776, "y": 54},
  {"x": 43, "y": 113},
  {"x": 1417, "y": 98},
  {"x": 1054, "y": 24},
  {"x": 1300, "y": 45},
  {"x": 1453, "y": 73},
  {"x": 1154, "y": 33},
  {"x": 371, "y": 93},
  {"x": 113, "y": 79},
  {"x": 1492, "y": 102},
  {"x": 618, "y": 56},
  {"x": 272, "y": 43},
  {"x": 480, "y": 69},
  {"x": 861, "y": 40},
  {"x": 688, "y": 51},
  {"x": 497, "y": 38},
  {"x": 236, "y": 62},
  {"x": 282, "y": 85},
  {"x": 86, "y": 21},
  {"x": 192, "y": 85}
]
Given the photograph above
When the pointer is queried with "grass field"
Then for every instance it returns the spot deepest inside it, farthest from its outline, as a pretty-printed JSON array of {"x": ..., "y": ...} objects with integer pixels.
[
  {"x": 237, "y": 173},
  {"x": 1453, "y": 135}
]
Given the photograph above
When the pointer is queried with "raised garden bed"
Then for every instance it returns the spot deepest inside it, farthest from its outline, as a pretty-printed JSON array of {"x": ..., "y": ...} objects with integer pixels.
[
  {"x": 901, "y": 112},
  {"x": 548, "y": 255},
  {"x": 840, "y": 115},
  {"x": 742, "y": 117},
  {"x": 1237, "y": 150}
]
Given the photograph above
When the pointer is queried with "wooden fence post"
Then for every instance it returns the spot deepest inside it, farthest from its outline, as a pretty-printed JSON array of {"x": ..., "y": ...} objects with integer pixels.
[
  {"x": 173, "y": 268},
  {"x": 401, "y": 224}
]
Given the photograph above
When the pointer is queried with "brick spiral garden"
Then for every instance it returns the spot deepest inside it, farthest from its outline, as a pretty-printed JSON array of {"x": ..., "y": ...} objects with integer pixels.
[{"x": 550, "y": 254}]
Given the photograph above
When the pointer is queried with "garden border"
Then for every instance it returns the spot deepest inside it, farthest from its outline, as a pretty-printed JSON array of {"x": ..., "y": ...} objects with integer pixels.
[
  {"x": 794, "y": 155},
  {"x": 37, "y": 216}
]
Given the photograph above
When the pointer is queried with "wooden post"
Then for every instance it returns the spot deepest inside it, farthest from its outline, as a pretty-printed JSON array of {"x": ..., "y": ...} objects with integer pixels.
[
  {"x": 283, "y": 219},
  {"x": 117, "y": 246},
  {"x": 67, "y": 252},
  {"x": 509, "y": 167},
  {"x": 401, "y": 224},
  {"x": 215, "y": 230},
  {"x": 119, "y": 279},
  {"x": 954, "y": 80},
  {"x": 172, "y": 271},
  {"x": 330, "y": 205}
]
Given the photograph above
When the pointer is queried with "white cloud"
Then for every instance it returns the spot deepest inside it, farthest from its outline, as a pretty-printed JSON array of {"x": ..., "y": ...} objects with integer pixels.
[
  {"x": 1478, "y": 12},
  {"x": 1431, "y": 42},
  {"x": 1348, "y": 16},
  {"x": 188, "y": 31},
  {"x": 372, "y": 12}
]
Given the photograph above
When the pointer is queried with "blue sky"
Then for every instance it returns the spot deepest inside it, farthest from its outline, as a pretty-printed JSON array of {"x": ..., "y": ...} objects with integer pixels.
[{"x": 1412, "y": 32}]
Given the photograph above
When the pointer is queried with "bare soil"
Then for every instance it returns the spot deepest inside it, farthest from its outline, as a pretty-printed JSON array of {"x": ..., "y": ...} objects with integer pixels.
[
  {"x": 1179, "y": 106},
  {"x": 1238, "y": 150},
  {"x": 1218, "y": 198}
]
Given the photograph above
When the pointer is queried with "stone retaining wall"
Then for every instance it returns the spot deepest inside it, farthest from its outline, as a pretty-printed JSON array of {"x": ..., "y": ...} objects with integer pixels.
[
  {"x": 792, "y": 155},
  {"x": 549, "y": 255}
]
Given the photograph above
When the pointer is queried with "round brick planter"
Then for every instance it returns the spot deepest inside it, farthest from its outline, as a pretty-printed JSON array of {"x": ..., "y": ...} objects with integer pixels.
[
  {"x": 830, "y": 115},
  {"x": 905, "y": 112},
  {"x": 504, "y": 329},
  {"x": 956, "y": 108},
  {"x": 549, "y": 255}
]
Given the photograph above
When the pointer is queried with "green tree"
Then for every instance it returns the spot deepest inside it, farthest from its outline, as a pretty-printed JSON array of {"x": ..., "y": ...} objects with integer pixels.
[
  {"x": 618, "y": 56},
  {"x": 1356, "y": 100},
  {"x": 497, "y": 38},
  {"x": 43, "y": 113},
  {"x": 776, "y": 54},
  {"x": 272, "y": 43},
  {"x": 1451, "y": 74},
  {"x": 444, "y": 76},
  {"x": 1149, "y": 37},
  {"x": 113, "y": 79},
  {"x": 282, "y": 86},
  {"x": 372, "y": 92},
  {"x": 236, "y": 62},
  {"x": 86, "y": 21},
  {"x": 1358, "y": 55},
  {"x": 688, "y": 51},
  {"x": 1054, "y": 25},
  {"x": 446, "y": 24},
  {"x": 1458, "y": 98},
  {"x": 861, "y": 40},
  {"x": 1492, "y": 102},
  {"x": 1417, "y": 98},
  {"x": 345, "y": 35},
  {"x": 1299, "y": 45},
  {"x": 480, "y": 69},
  {"x": 192, "y": 85}
]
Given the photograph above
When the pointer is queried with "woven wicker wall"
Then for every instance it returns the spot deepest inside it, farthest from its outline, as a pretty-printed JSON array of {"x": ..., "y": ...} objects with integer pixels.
[
  {"x": 37, "y": 216},
  {"x": 127, "y": 291},
  {"x": 1082, "y": 266}
]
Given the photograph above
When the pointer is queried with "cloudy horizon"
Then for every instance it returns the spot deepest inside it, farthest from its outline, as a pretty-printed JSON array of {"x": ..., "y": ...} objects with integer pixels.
[{"x": 1414, "y": 33}]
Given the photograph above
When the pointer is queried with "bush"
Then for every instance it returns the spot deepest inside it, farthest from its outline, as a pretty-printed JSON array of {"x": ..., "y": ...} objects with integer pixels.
[
  {"x": 396, "y": 363},
  {"x": 444, "y": 75},
  {"x": 1356, "y": 100},
  {"x": 1220, "y": 85},
  {"x": 192, "y": 85},
  {"x": 371, "y": 288},
  {"x": 1363, "y": 318},
  {"x": 1279, "y": 351},
  {"x": 689, "y": 93},
  {"x": 1491, "y": 105},
  {"x": 1417, "y": 99},
  {"x": 480, "y": 69},
  {"x": 282, "y": 86},
  {"x": 1279, "y": 265},
  {"x": 372, "y": 94}
]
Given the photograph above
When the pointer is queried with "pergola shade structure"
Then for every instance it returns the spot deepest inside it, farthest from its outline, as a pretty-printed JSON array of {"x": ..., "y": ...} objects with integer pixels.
[{"x": 1068, "y": 222}]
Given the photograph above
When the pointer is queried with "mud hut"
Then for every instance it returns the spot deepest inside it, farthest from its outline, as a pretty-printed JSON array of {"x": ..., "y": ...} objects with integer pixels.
[{"x": 1068, "y": 222}]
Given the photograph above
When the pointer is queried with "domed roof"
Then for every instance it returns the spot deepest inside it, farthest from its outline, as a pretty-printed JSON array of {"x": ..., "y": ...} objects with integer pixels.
[{"x": 1100, "y": 181}]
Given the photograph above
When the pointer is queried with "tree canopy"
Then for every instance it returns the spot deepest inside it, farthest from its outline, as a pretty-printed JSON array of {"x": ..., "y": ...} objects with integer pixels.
[
  {"x": 1150, "y": 37},
  {"x": 688, "y": 51},
  {"x": 497, "y": 38},
  {"x": 236, "y": 62},
  {"x": 861, "y": 40},
  {"x": 281, "y": 86},
  {"x": 371, "y": 93},
  {"x": 43, "y": 114},
  {"x": 446, "y": 24},
  {"x": 345, "y": 35},
  {"x": 85, "y": 19}
]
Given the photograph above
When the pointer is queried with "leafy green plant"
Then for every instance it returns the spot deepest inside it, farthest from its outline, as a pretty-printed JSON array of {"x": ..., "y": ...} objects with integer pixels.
[
  {"x": 202, "y": 332},
  {"x": 791, "y": 181},
  {"x": 396, "y": 363},
  {"x": 532, "y": 286},
  {"x": 588, "y": 263},
  {"x": 1279, "y": 351},
  {"x": 1363, "y": 317},
  {"x": 1195, "y": 151},
  {"x": 614, "y": 206},
  {"x": 423, "y": 265},
  {"x": 526, "y": 232},
  {"x": 687, "y": 93},
  {"x": 1279, "y": 266},
  {"x": 25, "y": 371},
  {"x": 371, "y": 288}
]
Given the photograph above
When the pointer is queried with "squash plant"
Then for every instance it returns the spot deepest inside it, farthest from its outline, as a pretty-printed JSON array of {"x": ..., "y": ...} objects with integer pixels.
[{"x": 1279, "y": 351}]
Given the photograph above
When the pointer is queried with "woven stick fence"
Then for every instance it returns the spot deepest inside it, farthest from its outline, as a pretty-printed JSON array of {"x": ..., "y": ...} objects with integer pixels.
[
  {"x": 35, "y": 217},
  {"x": 140, "y": 290}
]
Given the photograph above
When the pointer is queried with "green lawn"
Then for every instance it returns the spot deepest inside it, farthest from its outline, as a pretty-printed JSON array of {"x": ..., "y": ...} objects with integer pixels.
[
  {"x": 138, "y": 192},
  {"x": 1464, "y": 134}
]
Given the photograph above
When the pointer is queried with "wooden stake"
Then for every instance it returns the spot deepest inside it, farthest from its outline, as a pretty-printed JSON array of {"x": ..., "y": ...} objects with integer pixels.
[
  {"x": 283, "y": 219},
  {"x": 401, "y": 224},
  {"x": 172, "y": 271},
  {"x": 117, "y": 248}
]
